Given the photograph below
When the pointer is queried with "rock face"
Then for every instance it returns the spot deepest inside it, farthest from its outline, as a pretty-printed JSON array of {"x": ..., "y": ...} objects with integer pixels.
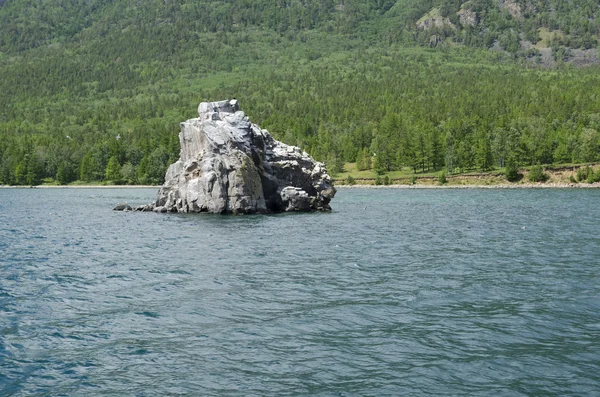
[{"x": 229, "y": 165}]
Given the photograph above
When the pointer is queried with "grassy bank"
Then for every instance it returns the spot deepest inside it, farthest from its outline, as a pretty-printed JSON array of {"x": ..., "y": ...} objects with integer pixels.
[{"x": 564, "y": 175}]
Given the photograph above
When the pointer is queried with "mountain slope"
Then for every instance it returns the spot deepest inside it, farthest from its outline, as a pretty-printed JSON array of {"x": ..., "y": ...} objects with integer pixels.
[{"x": 88, "y": 83}]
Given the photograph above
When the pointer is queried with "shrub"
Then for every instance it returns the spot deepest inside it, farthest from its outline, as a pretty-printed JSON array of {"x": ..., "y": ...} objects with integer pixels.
[
  {"x": 350, "y": 180},
  {"x": 572, "y": 179},
  {"x": 386, "y": 180},
  {"x": 537, "y": 174},
  {"x": 593, "y": 176},
  {"x": 378, "y": 180},
  {"x": 413, "y": 180},
  {"x": 582, "y": 173},
  {"x": 512, "y": 172},
  {"x": 442, "y": 178}
]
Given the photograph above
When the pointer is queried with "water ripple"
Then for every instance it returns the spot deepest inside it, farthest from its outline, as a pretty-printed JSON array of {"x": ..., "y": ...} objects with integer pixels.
[{"x": 423, "y": 293}]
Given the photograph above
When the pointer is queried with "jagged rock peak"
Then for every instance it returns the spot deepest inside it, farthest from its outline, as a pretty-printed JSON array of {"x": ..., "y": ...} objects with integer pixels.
[
  {"x": 229, "y": 165},
  {"x": 212, "y": 110}
]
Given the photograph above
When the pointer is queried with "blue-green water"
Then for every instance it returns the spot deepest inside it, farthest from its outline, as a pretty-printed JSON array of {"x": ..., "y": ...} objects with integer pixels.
[{"x": 396, "y": 292}]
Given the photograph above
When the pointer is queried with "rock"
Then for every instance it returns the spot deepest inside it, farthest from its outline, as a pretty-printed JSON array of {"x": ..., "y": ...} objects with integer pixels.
[
  {"x": 296, "y": 199},
  {"x": 145, "y": 208},
  {"x": 229, "y": 165},
  {"x": 467, "y": 17},
  {"x": 122, "y": 207},
  {"x": 512, "y": 8}
]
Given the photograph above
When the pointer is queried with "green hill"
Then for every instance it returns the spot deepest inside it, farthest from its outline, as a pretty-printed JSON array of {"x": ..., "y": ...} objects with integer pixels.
[{"x": 421, "y": 84}]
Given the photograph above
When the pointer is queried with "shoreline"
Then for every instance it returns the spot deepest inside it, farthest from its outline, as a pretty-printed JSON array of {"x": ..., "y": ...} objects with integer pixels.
[
  {"x": 344, "y": 186},
  {"x": 517, "y": 186},
  {"x": 81, "y": 187}
]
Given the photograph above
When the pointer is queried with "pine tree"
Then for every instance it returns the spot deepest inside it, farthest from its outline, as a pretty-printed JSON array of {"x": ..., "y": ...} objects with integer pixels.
[
  {"x": 21, "y": 173},
  {"x": 483, "y": 153},
  {"x": 113, "y": 170},
  {"x": 384, "y": 144},
  {"x": 360, "y": 160},
  {"x": 34, "y": 170},
  {"x": 363, "y": 160},
  {"x": 64, "y": 174},
  {"x": 512, "y": 170},
  {"x": 366, "y": 159},
  {"x": 128, "y": 172},
  {"x": 86, "y": 169}
]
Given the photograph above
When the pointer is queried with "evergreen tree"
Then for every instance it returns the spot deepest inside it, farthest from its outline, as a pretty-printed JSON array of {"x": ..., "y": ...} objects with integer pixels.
[
  {"x": 86, "y": 169},
  {"x": 34, "y": 170},
  {"x": 363, "y": 160},
  {"x": 590, "y": 145},
  {"x": 436, "y": 154},
  {"x": 360, "y": 161},
  {"x": 142, "y": 171},
  {"x": 128, "y": 173},
  {"x": 21, "y": 173},
  {"x": 483, "y": 153},
  {"x": 512, "y": 170},
  {"x": 113, "y": 170},
  {"x": 65, "y": 174},
  {"x": 157, "y": 165},
  {"x": 366, "y": 155},
  {"x": 384, "y": 144}
]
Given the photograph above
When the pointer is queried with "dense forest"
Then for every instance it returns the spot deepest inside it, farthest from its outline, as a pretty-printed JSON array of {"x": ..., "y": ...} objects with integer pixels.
[{"x": 94, "y": 90}]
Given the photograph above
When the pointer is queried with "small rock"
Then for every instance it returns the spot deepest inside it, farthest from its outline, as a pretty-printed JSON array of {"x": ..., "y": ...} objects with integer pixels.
[{"x": 144, "y": 208}]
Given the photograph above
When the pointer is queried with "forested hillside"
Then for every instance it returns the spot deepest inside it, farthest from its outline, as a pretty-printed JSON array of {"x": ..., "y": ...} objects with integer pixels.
[{"x": 94, "y": 90}]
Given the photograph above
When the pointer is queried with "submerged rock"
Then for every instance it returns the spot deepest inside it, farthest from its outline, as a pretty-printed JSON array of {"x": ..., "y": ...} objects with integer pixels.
[
  {"x": 229, "y": 165},
  {"x": 122, "y": 207}
]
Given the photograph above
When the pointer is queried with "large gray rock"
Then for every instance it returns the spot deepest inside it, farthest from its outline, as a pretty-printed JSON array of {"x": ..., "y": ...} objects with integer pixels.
[{"x": 229, "y": 165}]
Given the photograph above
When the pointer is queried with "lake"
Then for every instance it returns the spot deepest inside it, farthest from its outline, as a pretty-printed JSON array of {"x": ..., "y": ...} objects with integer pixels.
[{"x": 474, "y": 292}]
